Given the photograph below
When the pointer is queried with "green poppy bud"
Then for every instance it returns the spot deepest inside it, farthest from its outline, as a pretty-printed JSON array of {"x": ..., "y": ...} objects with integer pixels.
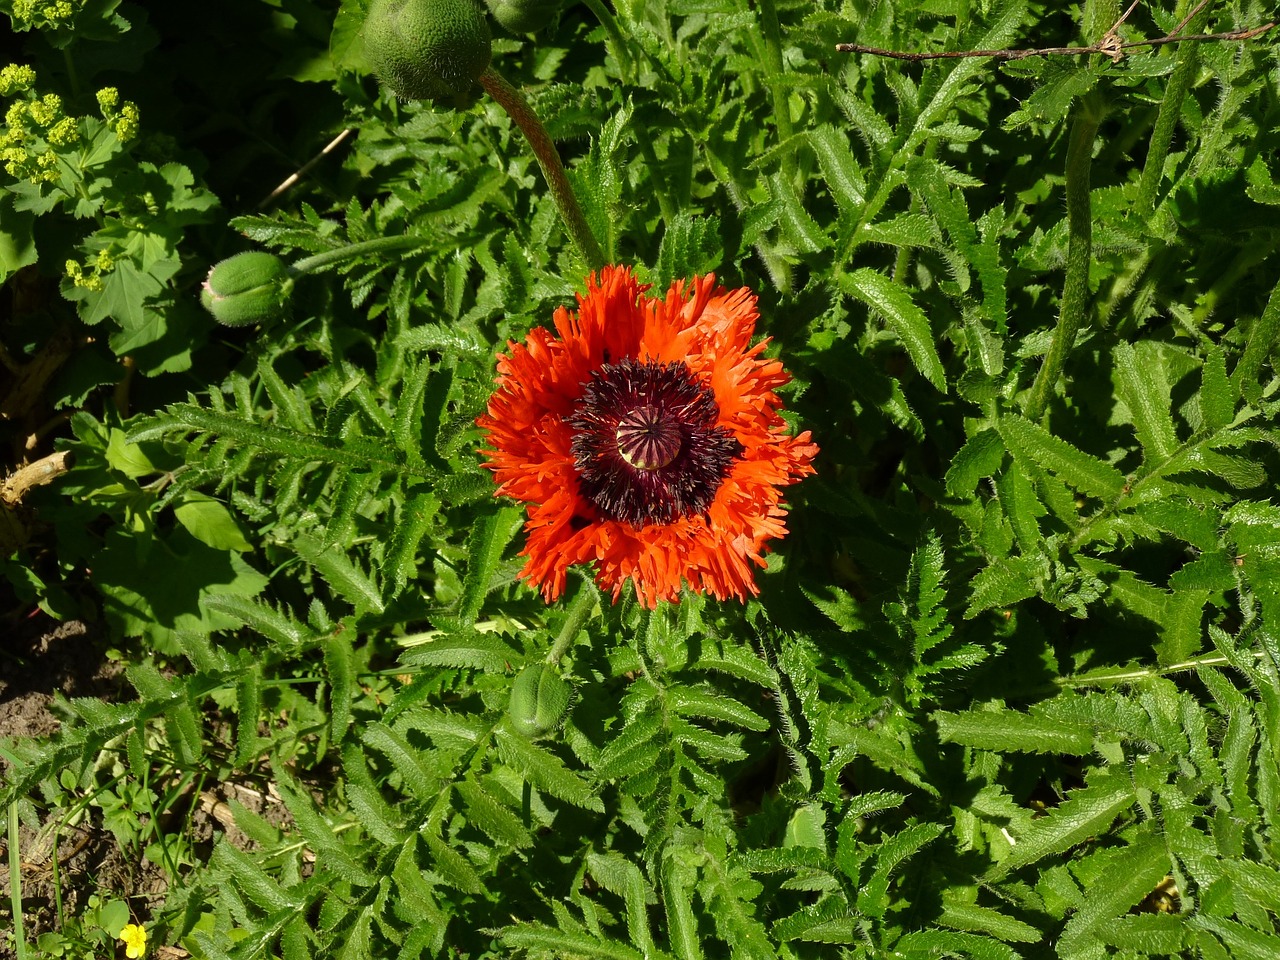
[
  {"x": 540, "y": 700},
  {"x": 428, "y": 49},
  {"x": 251, "y": 287},
  {"x": 523, "y": 16}
]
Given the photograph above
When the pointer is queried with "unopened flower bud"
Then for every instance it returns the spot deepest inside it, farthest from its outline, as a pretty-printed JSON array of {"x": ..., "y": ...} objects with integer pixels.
[
  {"x": 251, "y": 287},
  {"x": 523, "y": 16},
  {"x": 428, "y": 49},
  {"x": 540, "y": 700}
]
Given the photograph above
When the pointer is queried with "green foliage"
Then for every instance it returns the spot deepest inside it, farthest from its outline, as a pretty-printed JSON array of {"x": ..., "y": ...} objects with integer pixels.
[{"x": 1010, "y": 685}]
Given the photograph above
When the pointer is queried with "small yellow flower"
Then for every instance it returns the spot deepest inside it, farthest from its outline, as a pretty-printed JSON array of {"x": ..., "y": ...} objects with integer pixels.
[{"x": 135, "y": 940}]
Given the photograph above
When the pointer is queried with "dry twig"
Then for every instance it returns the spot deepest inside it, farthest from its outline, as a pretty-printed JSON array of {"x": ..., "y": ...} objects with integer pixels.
[
  {"x": 1110, "y": 45},
  {"x": 302, "y": 171}
]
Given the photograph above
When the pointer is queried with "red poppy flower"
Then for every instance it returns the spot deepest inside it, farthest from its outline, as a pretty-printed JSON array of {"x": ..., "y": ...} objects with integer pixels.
[{"x": 643, "y": 436}]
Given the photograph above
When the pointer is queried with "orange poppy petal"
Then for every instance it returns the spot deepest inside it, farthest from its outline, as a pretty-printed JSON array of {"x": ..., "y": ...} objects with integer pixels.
[{"x": 698, "y": 337}]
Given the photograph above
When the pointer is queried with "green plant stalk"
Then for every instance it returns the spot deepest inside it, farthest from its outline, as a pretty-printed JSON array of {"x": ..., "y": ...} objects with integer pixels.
[
  {"x": 778, "y": 269},
  {"x": 1262, "y": 340},
  {"x": 1075, "y": 288},
  {"x": 15, "y": 884},
  {"x": 1129, "y": 675},
  {"x": 660, "y": 185},
  {"x": 772, "y": 33},
  {"x": 1167, "y": 119},
  {"x": 580, "y": 610},
  {"x": 544, "y": 150},
  {"x": 1241, "y": 265},
  {"x": 379, "y": 245},
  {"x": 616, "y": 41}
]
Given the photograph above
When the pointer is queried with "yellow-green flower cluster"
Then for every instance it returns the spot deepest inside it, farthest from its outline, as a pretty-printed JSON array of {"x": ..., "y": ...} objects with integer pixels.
[
  {"x": 122, "y": 118},
  {"x": 99, "y": 267},
  {"x": 35, "y": 129},
  {"x": 16, "y": 78},
  {"x": 44, "y": 14}
]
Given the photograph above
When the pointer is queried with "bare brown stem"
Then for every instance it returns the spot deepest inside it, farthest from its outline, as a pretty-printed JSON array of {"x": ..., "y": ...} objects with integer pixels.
[{"x": 1111, "y": 49}]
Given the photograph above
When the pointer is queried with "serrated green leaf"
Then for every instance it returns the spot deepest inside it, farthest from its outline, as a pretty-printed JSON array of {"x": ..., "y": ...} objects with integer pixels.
[
  {"x": 339, "y": 663},
  {"x": 1004, "y": 582},
  {"x": 1009, "y": 729},
  {"x": 468, "y": 649},
  {"x": 382, "y": 738},
  {"x": 1243, "y": 943},
  {"x": 678, "y": 879},
  {"x": 489, "y": 538},
  {"x": 492, "y": 816},
  {"x": 932, "y": 943},
  {"x": 690, "y": 245},
  {"x": 978, "y": 919},
  {"x": 1023, "y": 509},
  {"x": 980, "y": 457},
  {"x": 1145, "y": 391},
  {"x": 545, "y": 771},
  {"x": 276, "y": 626},
  {"x": 1087, "y": 812},
  {"x": 452, "y": 866},
  {"x": 341, "y": 573},
  {"x": 1145, "y": 933},
  {"x": 1034, "y": 446},
  {"x": 839, "y": 167},
  {"x": 1130, "y": 876},
  {"x": 708, "y": 705},
  {"x": 1217, "y": 393},
  {"x": 558, "y": 943},
  {"x": 622, "y": 877},
  {"x": 894, "y": 303},
  {"x": 798, "y": 227}
]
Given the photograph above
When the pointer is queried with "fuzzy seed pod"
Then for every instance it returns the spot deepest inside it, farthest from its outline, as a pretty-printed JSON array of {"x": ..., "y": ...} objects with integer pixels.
[
  {"x": 523, "y": 16},
  {"x": 540, "y": 700},
  {"x": 251, "y": 287},
  {"x": 428, "y": 49}
]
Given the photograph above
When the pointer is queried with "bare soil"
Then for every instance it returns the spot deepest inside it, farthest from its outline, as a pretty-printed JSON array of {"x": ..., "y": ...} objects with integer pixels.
[{"x": 40, "y": 658}]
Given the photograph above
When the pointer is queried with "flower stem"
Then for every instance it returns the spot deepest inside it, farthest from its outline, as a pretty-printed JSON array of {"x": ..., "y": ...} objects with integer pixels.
[
  {"x": 544, "y": 150},
  {"x": 773, "y": 61},
  {"x": 351, "y": 251},
  {"x": 15, "y": 884},
  {"x": 1167, "y": 119},
  {"x": 1075, "y": 288},
  {"x": 610, "y": 24},
  {"x": 1262, "y": 338},
  {"x": 580, "y": 610},
  {"x": 660, "y": 186}
]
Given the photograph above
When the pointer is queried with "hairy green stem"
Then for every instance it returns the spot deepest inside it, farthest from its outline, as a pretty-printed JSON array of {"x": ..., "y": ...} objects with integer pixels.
[
  {"x": 580, "y": 610},
  {"x": 1262, "y": 340},
  {"x": 1128, "y": 675},
  {"x": 773, "y": 61},
  {"x": 1167, "y": 119},
  {"x": 1241, "y": 265},
  {"x": 15, "y": 884},
  {"x": 350, "y": 252},
  {"x": 616, "y": 40},
  {"x": 660, "y": 186},
  {"x": 1075, "y": 288},
  {"x": 778, "y": 269},
  {"x": 544, "y": 150}
]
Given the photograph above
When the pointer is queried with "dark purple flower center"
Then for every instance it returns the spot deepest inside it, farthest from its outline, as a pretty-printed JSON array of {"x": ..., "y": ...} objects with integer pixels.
[{"x": 646, "y": 443}]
